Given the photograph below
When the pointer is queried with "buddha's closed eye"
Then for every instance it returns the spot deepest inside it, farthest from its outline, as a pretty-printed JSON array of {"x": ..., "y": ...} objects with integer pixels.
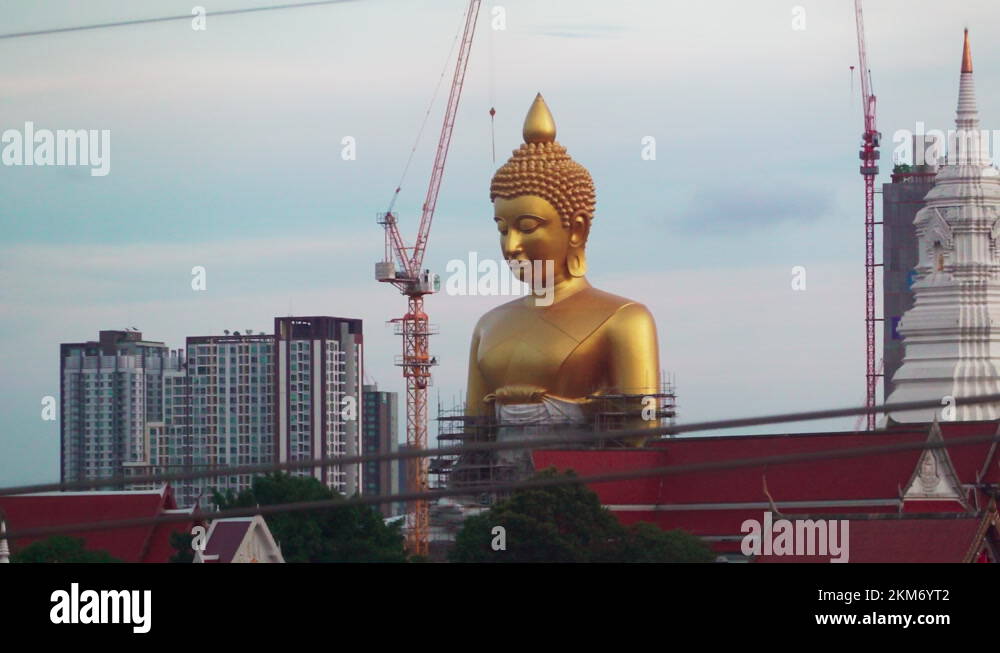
[{"x": 527, "y": 223}]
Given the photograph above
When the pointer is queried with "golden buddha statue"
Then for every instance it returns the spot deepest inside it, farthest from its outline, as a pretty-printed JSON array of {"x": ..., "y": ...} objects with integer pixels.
[{"x": 535, "y": 363}]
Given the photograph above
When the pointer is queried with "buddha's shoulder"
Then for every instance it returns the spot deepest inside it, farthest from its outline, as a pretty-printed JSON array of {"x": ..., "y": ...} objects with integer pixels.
[
  {"x": 501, "y": 312},
  {"x": 589, "y": 306},
  {"x": 597, "y": 299},
  {"x": 614, "y": 310},
  {"x": 596, "y": 313}
]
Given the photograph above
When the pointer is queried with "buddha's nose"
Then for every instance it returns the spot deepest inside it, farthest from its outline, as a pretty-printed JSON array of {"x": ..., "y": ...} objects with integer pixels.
[{"x": 511, "y": 245}]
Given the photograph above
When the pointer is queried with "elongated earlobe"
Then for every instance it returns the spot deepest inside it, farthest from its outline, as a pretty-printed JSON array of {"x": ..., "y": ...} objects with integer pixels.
[{"x": 576, "y": 262}]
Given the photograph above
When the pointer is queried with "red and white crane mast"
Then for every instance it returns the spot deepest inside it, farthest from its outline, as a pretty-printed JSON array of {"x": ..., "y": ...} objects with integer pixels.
[
  {"x": 869, "y": 155},
  {"x": 415, "y": 282}
]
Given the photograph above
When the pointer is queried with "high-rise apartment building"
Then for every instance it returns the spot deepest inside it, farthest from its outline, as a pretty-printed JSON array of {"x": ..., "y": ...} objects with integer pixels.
[
  {"x": 381, "y": 427},
  {"x": 318, "y": 385},
  {"x": 132, "y": 406},
  {"x": 110, "y": 390},
  {"x": 223, "y": 409}
]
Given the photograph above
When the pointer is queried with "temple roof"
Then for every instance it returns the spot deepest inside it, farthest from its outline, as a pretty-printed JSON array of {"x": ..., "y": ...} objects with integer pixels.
[
  {"x": 714, "y": 503},
  {"x": 135, "y": 544},
  {"x": 907, "y": 540}
]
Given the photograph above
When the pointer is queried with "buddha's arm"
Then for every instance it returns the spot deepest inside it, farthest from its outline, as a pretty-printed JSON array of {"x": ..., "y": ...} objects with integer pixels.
[
  {"x": 634, "y": 358},
  {"x": 476, "y": 387}
]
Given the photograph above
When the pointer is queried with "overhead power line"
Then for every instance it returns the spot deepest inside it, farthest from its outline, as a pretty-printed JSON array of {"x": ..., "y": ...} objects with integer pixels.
[
  {"x": 644, "y": 472},
  {"x": 579, "y": 437},
  {"x": 163, "y": 19}
]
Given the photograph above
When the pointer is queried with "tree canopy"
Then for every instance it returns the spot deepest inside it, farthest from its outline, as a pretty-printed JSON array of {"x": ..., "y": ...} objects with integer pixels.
[
  {"x": 348, "y": 533},
  {"x": 566, "y": 523},
  {"x": 181, "y": 543},
  {"x": 61, "y": 548}
]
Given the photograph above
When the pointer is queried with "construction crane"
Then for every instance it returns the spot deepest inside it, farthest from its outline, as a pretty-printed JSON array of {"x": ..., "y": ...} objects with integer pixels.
[
  {"x": 402, "y": 266},
  {"x": 869, "y": 155}
]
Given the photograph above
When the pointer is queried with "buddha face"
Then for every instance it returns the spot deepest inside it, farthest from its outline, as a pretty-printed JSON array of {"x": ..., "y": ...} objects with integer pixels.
[{"x": 532, "y": 230}]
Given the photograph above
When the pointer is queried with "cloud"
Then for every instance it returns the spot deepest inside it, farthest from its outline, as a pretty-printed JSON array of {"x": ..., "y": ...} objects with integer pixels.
[
  {"x": 743, "y": 206},
  {"x": 58, "y": 276},
  {"x": 583, "y": 31}
]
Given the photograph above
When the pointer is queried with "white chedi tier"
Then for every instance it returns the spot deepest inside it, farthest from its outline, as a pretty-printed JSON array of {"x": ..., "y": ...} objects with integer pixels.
[{"x": 951, "y": 335}]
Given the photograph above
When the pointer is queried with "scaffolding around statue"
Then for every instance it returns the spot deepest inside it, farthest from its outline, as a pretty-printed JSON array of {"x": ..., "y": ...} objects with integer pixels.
[{"x": 606, "y": 413}]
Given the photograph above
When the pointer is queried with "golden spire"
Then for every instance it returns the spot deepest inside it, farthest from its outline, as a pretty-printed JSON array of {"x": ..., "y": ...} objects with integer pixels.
[
  {"x": 966, "y": 57},
  {"x": 539, "y": 126}
]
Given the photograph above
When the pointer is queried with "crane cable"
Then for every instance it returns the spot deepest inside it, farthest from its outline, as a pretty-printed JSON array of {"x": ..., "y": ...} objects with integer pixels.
[
  {"x": 427, "y": 115},
  {"x": 493, "y": 93},
  {"x": 852, "y": 85}
]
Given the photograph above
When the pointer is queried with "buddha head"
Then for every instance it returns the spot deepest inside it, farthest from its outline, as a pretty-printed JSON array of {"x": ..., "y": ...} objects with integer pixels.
[{"x": 543, "y": 202}]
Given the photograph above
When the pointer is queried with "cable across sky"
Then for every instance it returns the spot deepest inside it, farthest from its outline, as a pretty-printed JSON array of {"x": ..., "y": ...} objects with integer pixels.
[
  {"x": 163, "y": 19},
  {"x": 668, "y": 470},
  {"x": 644, "y": 472},
  {"x": 580, "y": 437}
]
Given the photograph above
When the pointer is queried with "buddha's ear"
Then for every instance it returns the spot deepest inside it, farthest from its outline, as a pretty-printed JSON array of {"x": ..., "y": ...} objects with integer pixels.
[{"x": 579, "y": 229}]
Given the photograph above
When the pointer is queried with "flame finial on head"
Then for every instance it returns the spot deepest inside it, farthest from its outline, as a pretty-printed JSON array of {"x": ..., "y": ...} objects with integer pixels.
[{"x": 539, "y": 126}]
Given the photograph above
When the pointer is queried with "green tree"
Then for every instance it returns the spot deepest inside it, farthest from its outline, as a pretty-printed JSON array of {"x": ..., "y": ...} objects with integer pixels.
[
  {"x": 61, "y": 548},
  {"x": 645, "y": 542},
  {"x": 566, "y": 523},
  {"x": 348, "y": 533},
  {"x": 181, "y": 542}
]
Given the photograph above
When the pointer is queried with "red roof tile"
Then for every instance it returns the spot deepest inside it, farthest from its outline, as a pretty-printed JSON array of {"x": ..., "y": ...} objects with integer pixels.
[
  {"x": 716, "y": 502},
  {"x": 134, "y": 544},
  {"x": 971, "y": 459},
  {"x": 876, "y": 476},
  {"x": 902, "y": 540}
]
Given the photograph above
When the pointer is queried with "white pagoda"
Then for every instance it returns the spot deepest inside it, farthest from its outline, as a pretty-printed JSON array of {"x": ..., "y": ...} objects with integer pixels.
[
  {"x": 4, "y": 549},
  {"x": 951, "y": 336}
]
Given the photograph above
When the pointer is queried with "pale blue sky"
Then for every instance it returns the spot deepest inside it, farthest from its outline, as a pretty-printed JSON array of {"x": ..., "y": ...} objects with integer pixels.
[{"x": 226, "y": 153}]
